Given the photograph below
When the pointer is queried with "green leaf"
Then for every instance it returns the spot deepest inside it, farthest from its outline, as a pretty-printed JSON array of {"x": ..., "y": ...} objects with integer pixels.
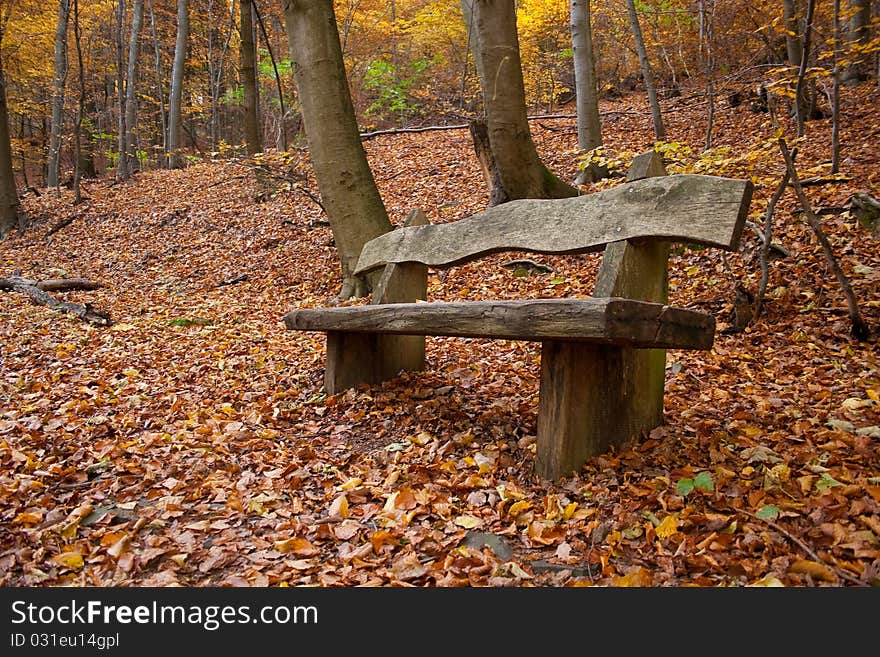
[
  {"x": 557, "y": 280},
  {"x": 180, "y": 321},
  {"x": 684, "y": 486},
  {"x": 703, "y": 481},
  {"x": 827, "y": 481},
  {"x": 768, "y": 512}
]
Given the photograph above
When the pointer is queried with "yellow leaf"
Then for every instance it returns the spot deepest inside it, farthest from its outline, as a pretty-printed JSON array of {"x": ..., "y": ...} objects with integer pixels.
[
  {"x": 27, "y": 518},
  {"x": 569, "y": 510},
  {"x": 873, "y": 394},
  {"x": 768, "y": 581},
  {"x": 123, "y": 327},
  {"x": 381, "y": 537},
  {"x": 72, "y": 560},
  {"x": 339, "y": 507},
  {"x": 468, "y": 522},
  {"x": 853, "y": 403},
  {"x": 298, "y": 546},
  {"x": 519, "y": 507},
  {"x": 391, "y": 501},
  {"x": 119, "y": 547},
  {"x": 667, "y": 528},
  {"x": 179, "y": 558},
  {"x": 352, "y": 483},
  {"x": 636, "y": 578},
  {"x": 109, "y": 539},
  {"x": 422, "y": 439},
  {"x": 814, "y": 569}
]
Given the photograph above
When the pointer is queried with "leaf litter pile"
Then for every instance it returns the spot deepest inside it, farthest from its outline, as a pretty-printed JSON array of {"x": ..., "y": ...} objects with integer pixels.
[{"x": 189, "y": 442}]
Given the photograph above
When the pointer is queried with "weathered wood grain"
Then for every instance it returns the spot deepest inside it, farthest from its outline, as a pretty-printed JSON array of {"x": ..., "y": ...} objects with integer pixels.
[
  {"x": 593, "y": 397},
  {"x": 690, "y": 208},
  {"x": 616, "y": 321}
]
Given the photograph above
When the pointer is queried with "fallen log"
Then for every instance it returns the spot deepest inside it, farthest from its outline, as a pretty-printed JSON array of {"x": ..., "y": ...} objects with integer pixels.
[{"x": 38, "y": 293}]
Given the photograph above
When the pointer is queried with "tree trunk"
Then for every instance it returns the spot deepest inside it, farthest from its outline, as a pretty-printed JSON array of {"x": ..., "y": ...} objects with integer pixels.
[
  {"x": 249, "y": 79},
  {"x": 794, "y": 49},
  {"x": 131, "y": 89},
  {"x": 835, "y": 91},
  {"x": 348, "y": 190},
  {"x": 80, "y": 109},
  {"x": 858, "y": 33},
  {"x": 174, "y": 116},
  {"x": 589, "y": 126},
  {"x": 160, "y": 84},
  {"x": 501, "y": 80},
  {"x": 804, "y": 110},
  {"x": 59, "y": 80},
  {"x": 483, "y": 150},
  {"x": 793, "y": 30},
  {"x": 8, "y": 194},
  {"x": 650, "y": 89},
  {"x": 122, "y": 160}
]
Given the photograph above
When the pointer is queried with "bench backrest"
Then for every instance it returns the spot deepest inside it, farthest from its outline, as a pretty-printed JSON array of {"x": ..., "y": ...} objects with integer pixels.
[{"x": 690, "y": 208}]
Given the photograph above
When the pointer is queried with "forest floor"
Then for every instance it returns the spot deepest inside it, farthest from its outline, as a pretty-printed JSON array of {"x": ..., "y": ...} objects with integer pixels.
[{"x": 189, "y": 443}]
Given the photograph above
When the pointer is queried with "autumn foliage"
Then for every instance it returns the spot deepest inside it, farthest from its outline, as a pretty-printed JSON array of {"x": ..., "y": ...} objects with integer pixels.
[{"x": 190, "y": 442}]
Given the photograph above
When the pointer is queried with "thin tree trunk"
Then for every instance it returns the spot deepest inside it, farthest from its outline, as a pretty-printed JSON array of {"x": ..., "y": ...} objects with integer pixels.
[
  {"x": 80, "y": 105},
  {"x": 767, "y": 242},
  {"x": 174, "y": 113},
  {"x": 589, "y": 126},
  {"x": 160, "y": 84},
  {"x": 248, "y": 73},
  {"x": 795, "y": 50},
  {"x": 501, "y": 80},
  {"x": 802, "y": 109},
  {"x": 858, "y": 327},
  {"x": 9, "y": 217},
  {"x": 858, "y": 34},
  {"x": 53, "y": 171},
  {"x": 467, "y": 16},
  {"x": 835, "y": 92},
  {"x": 650, "y": 89},
  {"x": 709, "y": 34},
  {"x": 212, "y": 88},
  {"x": 121, "y": 160},
  {"x": 348, "y": 190},
  {"x": 131, "y": 89},
  {"x": 282, "y": 132}
]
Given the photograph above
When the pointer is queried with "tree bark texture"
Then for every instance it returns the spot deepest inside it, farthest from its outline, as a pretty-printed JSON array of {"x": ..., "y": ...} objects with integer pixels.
[
  {"x": 650, "y": 89},
  {"x": 8, "y": 194},
  {"x": 858, "y": 34},
  {"x": 122, "y": 160},
  {"x": 348, "y": 190},
  {"x": 174, "y": 115},
  {"x": 131, "y": 89},
  {"x": 59, "y": 80},
  {"x": 248, "y": 72},
  {"x": 589, "y": 126},
  {"x": 501, "y": 80}
]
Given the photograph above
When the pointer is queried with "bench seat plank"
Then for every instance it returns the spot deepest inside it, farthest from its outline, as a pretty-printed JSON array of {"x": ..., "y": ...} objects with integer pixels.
[
  {"x": 691, "y": 208},
  {"x": 609, "y": 320}
]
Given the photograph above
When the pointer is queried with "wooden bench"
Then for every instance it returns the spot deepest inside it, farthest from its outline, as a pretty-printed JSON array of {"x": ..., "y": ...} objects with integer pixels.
[{"x": 602, "y": 358}]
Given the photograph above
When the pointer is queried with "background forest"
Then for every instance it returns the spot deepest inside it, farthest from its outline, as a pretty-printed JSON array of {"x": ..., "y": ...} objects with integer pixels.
[
  {"x": 127, "y": 72},
  {"x": 167, "y": 430}
]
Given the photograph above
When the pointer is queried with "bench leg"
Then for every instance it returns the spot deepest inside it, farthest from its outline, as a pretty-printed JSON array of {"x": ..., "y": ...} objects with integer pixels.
[
  {"x": 592, "y": 397},
  {"x": 354, "y": 358}
]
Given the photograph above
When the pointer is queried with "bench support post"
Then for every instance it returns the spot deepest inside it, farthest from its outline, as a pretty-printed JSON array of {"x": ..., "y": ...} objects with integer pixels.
[
  {"x": 589, "y": 401},
  {"x": 354, "y": 358},
  {"x": 595, "y": 397}
]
